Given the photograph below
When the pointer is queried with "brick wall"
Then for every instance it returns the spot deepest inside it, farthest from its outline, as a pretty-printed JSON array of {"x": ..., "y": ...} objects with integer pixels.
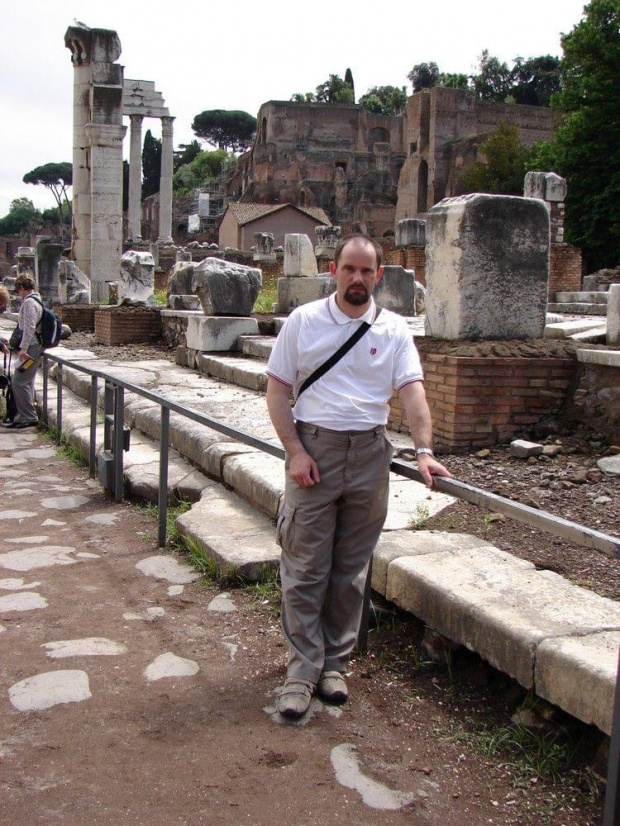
[
  {"x": 564, "y": 269},
  {"x": 80, "y": 317},
  {"x": 476, "y": 402},
  {"x": 411, "y": 258},
  {"x": 127, "y": 325}
]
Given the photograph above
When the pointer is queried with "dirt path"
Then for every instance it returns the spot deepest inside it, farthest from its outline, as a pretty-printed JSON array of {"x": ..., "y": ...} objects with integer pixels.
[{"x": 166, "y": 716}]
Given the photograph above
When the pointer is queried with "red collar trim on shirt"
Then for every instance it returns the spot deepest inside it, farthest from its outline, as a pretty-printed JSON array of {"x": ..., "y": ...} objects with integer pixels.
[{"x": 372, "y": 311}]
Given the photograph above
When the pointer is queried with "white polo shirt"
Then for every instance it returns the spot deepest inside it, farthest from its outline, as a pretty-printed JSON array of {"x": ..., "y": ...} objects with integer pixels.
[{"x": 355, "y": 393}]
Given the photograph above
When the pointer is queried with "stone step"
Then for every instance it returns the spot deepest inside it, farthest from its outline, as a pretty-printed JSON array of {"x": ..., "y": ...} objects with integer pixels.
[
  {"x": 550, "y": 635},
  {"x": 257, "y": 346},
  {"x": 597, "y": 335},
  {"x": 242, "y": 371},
  {"x": 582, "y": 298},
  {"x": 578, "y": 309},
  {"x": 566, "y": 329}
]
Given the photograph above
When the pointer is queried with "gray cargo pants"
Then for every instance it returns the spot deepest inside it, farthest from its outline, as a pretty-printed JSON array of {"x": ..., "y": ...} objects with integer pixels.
[
  {"x": 23, "y": 386},
  {"x": 327, "y": 534}
]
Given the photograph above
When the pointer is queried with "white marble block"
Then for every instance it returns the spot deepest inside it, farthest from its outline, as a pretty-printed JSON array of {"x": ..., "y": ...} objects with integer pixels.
[
  {"x": 487, "y": 268},
  {"x": 216, "y": 333},
  {"x": 299, "y": 258},
  {"x": 137, "y": 281}
]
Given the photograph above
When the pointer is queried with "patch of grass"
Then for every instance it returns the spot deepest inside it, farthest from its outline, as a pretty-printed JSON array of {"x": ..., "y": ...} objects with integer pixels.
[
  {"x": 548, "y": 754},
  {"x": 65, "y": 449},
  {"x": 268, "y": 593},
  {"x": 265, "y": 300},
  {"x": 161, "y": 297}
]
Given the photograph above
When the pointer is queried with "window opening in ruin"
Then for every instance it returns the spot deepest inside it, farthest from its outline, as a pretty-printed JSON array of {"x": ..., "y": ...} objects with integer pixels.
[
  {"x": 302, "y": 199},
  {"x": 341, "y": 165},
  {"x": 263, "y": 131},
  {"x": 413, "y": 147}
]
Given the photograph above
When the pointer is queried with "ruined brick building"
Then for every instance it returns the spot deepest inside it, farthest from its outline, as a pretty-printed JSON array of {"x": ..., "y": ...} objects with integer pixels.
[{"x": 372, "y": 170}]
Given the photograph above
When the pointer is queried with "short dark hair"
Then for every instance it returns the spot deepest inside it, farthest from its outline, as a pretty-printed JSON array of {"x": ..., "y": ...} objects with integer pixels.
[
  {"x": 25, "y": 281},
  {"x": 358, "y": 236}
]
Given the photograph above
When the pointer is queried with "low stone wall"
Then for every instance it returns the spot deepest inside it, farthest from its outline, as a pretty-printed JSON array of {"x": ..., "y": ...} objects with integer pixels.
[
  {"x": 596, "y": 401},
  {"x": 564, "y": 269},
  {"x": 80, "y": 317},
  {"x": 480, "y": 401},
  {"x": 127, "y": 325}
]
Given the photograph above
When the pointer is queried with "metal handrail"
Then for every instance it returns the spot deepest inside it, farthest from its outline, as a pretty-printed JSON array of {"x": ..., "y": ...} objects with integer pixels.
[{"x": 580, "y": 534}]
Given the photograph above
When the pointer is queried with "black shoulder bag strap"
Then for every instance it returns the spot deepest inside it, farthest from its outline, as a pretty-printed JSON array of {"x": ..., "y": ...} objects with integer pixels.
[{"x": 335, "y": 357}]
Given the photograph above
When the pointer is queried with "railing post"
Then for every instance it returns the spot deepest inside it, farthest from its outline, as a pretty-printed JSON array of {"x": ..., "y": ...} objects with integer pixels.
[
  {"x": 162, "y": 499},
  {"x": 611, "y": 812},
  {"x": 362, "y": 634},
  {"x": 59, "y": 404},
  {"x": 46, "y": 365},
  {"x": 108, "y": 410},
  {"x": 92, "y": 453},
  {"x": 117, "y": 450}
]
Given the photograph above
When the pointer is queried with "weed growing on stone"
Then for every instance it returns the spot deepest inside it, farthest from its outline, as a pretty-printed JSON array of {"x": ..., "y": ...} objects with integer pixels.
[
  {"x": 65, "y": 449},
  {"x": 161, "y": 297},
  {"x": 420, "y": 518}
]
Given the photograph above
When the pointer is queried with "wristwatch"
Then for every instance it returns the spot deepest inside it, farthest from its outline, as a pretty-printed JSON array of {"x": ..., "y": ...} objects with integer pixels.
[{"x": 426, "y": 450}]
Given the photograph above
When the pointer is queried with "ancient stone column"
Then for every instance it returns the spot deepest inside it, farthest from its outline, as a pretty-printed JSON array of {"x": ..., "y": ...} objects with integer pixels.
[
  {"x": 165, "y": 183},
  {"x": 26, "y": 261},
  {"x": 48, "y": 257},
  {"x": 135, "y": 178},
  {"x": 97, "y": 155},
  {"x": 106, "y": 186}
]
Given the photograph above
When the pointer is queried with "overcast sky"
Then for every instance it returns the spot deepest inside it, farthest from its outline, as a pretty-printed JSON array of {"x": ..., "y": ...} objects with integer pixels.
[{"x": 237, "y": 55}]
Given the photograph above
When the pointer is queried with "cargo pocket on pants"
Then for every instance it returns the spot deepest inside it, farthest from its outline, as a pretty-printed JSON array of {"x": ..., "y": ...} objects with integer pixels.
[{"x": 285, "y": 527}]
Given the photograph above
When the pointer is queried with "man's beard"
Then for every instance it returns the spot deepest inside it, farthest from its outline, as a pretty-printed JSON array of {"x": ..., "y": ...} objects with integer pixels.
[{"x": 356, "y": 296}]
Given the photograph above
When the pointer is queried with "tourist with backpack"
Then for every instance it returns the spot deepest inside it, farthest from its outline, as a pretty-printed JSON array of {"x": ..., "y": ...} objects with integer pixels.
[{"x": 28, "y": 353}]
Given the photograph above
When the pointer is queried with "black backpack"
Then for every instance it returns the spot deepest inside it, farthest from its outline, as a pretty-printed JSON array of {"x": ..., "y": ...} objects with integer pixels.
[{"x": 49, "y": 328}]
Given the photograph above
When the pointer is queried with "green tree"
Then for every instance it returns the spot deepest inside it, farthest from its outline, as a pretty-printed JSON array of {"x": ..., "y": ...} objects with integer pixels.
[
  {"x": 505, "y": 166},
  {"x": 21, "y": 214},
  {"x": 424, "y": 76},
  {"x": 151, "y": 165},
  {"x": 384, "y": 100},
  {"x": 493, "y": 81},
  {"x": 186, "y": 153},
  {"x": 204, "y": 167},
  {"x": 535, "y": 80},
  {"x": 226, "y": 129},
  {"x": 586, "y": 145},
  {"x": 348, "y": 79},
  {"x": 453, "y": 80},
  {"x": 334, "y": 90},
  {"x": 57, "y": 177}
]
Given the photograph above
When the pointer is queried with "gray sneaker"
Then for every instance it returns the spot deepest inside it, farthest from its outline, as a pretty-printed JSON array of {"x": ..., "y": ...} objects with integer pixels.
[
  {"x": 294, "y": 699},
  {"x": 332, "y": 687}
]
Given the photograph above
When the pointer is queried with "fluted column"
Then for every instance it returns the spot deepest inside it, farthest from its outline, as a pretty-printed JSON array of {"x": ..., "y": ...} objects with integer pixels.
[
  {"x": 134, "y": 222},
  {"x": 165, "y": 183}
]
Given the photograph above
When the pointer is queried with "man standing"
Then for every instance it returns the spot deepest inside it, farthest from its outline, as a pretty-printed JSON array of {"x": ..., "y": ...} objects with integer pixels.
[
  {"x": 28, "y": 319},
  {"x": 337, "y": 464}
]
